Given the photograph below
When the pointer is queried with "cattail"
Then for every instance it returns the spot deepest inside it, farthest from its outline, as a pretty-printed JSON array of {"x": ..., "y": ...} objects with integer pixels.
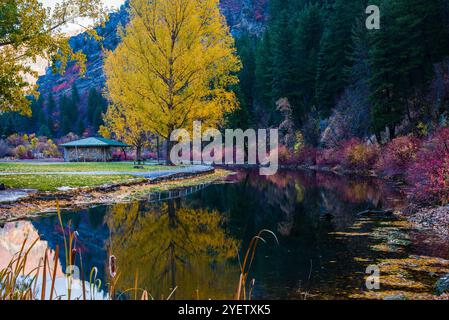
[
  {"x": 73, "y": 256},
  {"x": 112, "y": 266}
]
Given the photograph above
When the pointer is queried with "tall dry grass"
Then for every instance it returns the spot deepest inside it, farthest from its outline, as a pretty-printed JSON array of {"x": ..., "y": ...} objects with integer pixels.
[
  {"x": 245, "y": 289},
  {"x": 39, "y": 283}
]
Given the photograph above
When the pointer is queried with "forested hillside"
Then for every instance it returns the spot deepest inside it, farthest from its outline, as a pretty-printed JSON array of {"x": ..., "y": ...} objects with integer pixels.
[
  {"x": 74, "y": 103},
  {"x": 340, "y": 80},
  {"x": 343, "y": 80}
]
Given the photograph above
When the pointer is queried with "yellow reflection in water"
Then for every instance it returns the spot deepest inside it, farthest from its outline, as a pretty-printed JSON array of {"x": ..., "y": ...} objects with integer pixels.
[{"x": 172, "y": 246}]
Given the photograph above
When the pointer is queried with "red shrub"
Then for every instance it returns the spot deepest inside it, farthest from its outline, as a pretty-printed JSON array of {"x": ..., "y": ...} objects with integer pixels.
[
  {"x": 119, "y": 155},
  {"x": 328, "y": 157},
  {"x": 351, "y": 154},
  {"x": 357, "y": 155},
  {"x": 429, "y": 174},
  {"x": 397, "y": 156},
  {"x": 307, "y": 156},
  {"x": 287, "y": 157}
]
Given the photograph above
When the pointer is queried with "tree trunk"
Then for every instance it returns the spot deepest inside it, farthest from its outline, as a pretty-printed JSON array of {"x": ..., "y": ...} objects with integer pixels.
[
  {"x": 392, "y": 129},
  {"x": 168, "y": 147},
  {"x": 139, "y": 154},
  {"x": 157, "y": 149}
]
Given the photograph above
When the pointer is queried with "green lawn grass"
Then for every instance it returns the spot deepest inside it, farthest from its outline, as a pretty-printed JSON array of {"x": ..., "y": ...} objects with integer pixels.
[
  {"x": 52, "y": 182},
  {"x": 25, "y": 167}
]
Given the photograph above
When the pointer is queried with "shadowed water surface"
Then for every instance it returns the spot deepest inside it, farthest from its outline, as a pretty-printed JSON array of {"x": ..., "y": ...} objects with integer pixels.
[{"x": 193, "y": 243}]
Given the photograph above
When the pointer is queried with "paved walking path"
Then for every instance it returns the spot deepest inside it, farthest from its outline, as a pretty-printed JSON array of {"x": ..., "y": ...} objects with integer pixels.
[
  {"x": 149, "y": 174},
  {"x": 13, "y": 195}
]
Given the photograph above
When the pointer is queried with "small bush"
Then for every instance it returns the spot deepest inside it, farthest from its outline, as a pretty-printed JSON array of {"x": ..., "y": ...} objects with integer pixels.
[
  {"x": 22, "y": 152},
  {"x": 429, "y": 174},
  {"x": 307, "y": 156},
  {"x": 328, "y": 157},
  {"x": 397, "y": 156},
  {"x": 16, "y": 140},
  {"x": 5, "y": 150},
  {"x": 48, "y": 149},
  {"x": 286, "y": 156},
  {"x": 352, "y": 154},
  {"x": 358, "y": 155}
]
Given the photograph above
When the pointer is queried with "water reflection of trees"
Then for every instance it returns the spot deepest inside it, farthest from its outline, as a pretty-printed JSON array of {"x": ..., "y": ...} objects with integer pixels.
[
  {"x": 170, "y": 245},
  {"x": 302, "y": 208},
  {"x": 319, "y": 195}
]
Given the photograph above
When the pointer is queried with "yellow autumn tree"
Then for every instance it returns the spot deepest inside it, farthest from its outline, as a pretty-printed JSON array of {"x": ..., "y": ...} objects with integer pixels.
[{"x": 175, "y": 64}]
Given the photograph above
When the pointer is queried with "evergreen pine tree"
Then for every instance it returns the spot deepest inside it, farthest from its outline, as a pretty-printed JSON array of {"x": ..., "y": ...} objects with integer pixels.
[
  {"x": 333, "y": 57},
  {"x": 80, "y": 128},
  {"x": 44, "y": 131},
  {"x": 65, "y": 122},
  {"x": 264, "y": 75},
  {"x": 51, "y": 108},
  {"x": 91, "y": 104},
  {"x": 309, "y": 25},
  {"x": 411, "y": 40},
  {"x": 281, "y": 40}
]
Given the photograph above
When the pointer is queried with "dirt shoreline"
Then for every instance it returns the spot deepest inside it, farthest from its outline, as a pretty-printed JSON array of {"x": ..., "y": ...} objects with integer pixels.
[{"x": 42, "y": 203}]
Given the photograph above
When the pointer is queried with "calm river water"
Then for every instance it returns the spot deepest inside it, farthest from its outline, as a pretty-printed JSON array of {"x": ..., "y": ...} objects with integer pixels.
[{"x": 194, "y": 242}]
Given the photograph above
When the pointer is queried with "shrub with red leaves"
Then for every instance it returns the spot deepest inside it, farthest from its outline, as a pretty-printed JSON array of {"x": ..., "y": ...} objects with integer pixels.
[
  {"x": 328, "y": 157},
  {"x": 352, "y": 154},
  {"x": 397, "y": 156},
  {"x": 429, "y": 174},
  {"x": 307, "y": 156},
  {"x": 357, "y": 155},
  {"x": 287, "y": 157}
]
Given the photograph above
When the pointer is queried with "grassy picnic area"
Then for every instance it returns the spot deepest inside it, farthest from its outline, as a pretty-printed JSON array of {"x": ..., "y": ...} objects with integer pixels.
[{"x": 53, "y": 176}]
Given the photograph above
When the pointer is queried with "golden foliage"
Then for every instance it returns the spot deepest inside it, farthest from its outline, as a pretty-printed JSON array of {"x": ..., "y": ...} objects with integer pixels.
[
  {"x": 168, "y": 242},
  {"x": 175, "y": 65}
]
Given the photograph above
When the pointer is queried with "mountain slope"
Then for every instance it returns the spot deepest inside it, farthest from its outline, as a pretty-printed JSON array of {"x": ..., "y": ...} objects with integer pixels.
[{"x": 242, "y": 15}]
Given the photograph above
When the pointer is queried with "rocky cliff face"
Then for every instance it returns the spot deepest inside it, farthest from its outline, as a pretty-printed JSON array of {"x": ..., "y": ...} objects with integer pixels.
[
  {"x": 60, "y": 85},
  {"x": 245, "y": 15},
  {"x": 242, "y": 16}
]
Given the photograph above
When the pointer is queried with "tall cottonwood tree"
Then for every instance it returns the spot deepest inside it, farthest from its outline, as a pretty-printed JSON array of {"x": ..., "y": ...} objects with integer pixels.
[
  {"x": 175, "y": 65},
  {"x": 29, "y": 31}
]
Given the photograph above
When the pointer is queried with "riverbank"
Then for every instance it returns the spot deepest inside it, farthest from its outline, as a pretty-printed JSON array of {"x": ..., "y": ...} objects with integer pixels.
[
  {"x": 44, "y": 202},
  {"x": 435, "y": 219},
  {"x": 432, "y": 218}
]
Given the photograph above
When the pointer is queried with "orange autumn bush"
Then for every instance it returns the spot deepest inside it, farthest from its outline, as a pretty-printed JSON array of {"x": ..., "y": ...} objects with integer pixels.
[
  {"x": 361, "y": 156},
  {"x": 351, "y": 154}
]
